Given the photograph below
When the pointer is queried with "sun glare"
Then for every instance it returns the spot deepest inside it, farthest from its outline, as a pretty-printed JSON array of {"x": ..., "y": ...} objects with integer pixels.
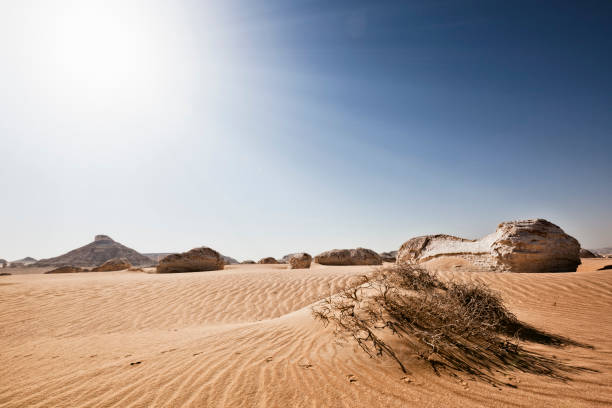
[{"x": 99, "y": 49}]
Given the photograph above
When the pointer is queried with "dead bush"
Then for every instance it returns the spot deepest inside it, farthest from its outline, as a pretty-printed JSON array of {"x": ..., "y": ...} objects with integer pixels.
[{"x": 464, "y": 326}]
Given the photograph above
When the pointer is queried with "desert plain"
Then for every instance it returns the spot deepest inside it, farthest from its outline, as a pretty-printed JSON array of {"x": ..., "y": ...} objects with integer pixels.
[{"x": 245, "y": 337}]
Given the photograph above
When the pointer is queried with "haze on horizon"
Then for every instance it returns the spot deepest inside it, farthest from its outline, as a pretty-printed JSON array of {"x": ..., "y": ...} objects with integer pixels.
[{"x": 261, "y": 129}]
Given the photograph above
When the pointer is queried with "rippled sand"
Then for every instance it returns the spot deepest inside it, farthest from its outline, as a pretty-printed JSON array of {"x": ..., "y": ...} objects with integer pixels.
[{"x": 244, "y": 337}]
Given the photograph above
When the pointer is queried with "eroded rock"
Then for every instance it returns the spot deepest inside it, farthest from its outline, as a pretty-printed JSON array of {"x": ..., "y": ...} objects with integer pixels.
[
  {"x": 357, "y": 256},
  {"x": 195, "y": 260},
  {"x": 300, "y": 261},
  {"x": 268, "y": 260},
  {"x": 516, "y": 246}
]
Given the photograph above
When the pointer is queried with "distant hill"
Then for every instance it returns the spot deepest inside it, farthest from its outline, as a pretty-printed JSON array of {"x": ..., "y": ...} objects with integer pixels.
[
  {"x": 229, "y": 260},
  {"x": 603, "y": 251},
  {"x": 95, "y": 253},
  {"x": 28, "y": 260}
]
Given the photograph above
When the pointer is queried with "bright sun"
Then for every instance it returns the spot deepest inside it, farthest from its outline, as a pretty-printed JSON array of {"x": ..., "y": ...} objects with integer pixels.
[{"x": 98, "y": 48}]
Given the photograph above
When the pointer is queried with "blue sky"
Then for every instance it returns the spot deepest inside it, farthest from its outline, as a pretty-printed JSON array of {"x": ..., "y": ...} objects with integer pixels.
[{"x": 263, "y": 128}]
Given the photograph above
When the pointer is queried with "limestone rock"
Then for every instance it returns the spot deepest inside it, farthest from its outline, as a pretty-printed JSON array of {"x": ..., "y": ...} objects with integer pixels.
[
  {"x": 67, "y": 269},
  {"x": 268, "y": 260},
  {"x": 198, "y": 259},
  {"x": 358, "y": 256},
  {"x": 516, "y": 246},
  {"x": 300, "y": 261}
]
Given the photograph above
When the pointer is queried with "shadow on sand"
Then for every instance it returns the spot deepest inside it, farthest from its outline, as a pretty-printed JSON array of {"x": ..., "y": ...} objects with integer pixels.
[{"x": 486, "y": 363}]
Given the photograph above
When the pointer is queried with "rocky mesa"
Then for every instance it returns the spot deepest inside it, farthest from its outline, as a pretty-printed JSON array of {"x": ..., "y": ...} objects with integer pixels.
[{"x": 102, "y": 249}]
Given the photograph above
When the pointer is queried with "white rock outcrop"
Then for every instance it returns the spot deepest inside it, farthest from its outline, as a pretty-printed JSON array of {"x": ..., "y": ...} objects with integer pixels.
[{"x": 516, "y": 246}]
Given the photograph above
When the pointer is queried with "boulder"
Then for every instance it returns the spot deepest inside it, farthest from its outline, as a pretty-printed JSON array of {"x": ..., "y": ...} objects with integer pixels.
[
  {"x": 115, "y": 264},
  {"x": 268, "y": 260},
  {"x": 358, "y": 256},
  {"x": 300, "y": 261},
  {"x": 67, "y": 269},
  {"x": 198, "y": 259},
  {"x": 3, "y": 263},
  {"x": 388, "y": 256},
  {"x": 585, "y": 253},
  {"x": 516, "y": 246},
  {"x": 248, "y": 262}
]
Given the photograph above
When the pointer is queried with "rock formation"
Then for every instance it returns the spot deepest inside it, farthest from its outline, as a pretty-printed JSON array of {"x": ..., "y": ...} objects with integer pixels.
[
  {"x": 67, "y": 269},
  {"x": 358, "y": 256},
  {"x": 388, "y": 256},
  {"x": 585, "y": 253},
  {"x": 115, "y": 264},
  {"x": 516, "y": 246},
  {"x": 268, "y": 260},
  {"x": 158, "y": 256},
  {"x": 300, "y": 261},
  {"x": 96, "y": 253},
  {"x": 3, "y": 263},
  {"x": 248, "y": 262},
  {"x": 198, "y": 259}
]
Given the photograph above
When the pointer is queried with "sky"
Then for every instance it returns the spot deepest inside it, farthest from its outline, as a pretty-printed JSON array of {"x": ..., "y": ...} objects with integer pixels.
[{"x": 272, "y": 127}]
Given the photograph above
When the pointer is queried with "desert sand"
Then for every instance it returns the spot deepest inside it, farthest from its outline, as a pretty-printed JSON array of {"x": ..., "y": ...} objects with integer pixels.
[{"x": 244, "y": 337}]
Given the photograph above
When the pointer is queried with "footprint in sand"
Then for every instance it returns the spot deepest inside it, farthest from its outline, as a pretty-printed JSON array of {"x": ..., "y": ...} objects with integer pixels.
[
  {"x": 351, "y": 378},
  {"x": 135, "y": 363}
]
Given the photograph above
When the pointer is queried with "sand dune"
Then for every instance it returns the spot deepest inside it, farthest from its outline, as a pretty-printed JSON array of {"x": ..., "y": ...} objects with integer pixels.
[{"x": 244, "y": 337}]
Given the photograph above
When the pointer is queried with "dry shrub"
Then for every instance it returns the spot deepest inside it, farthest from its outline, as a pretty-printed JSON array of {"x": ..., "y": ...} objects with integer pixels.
[{"x": 463, "y": 326}]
